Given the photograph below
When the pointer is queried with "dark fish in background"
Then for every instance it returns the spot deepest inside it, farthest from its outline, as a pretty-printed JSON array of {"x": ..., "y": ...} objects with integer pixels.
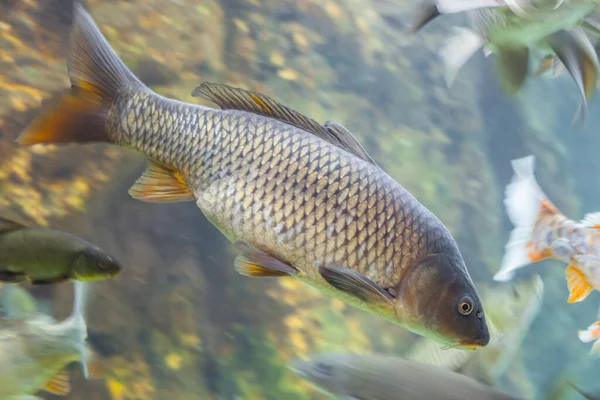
[
  {"x": 43, "y": 256},
  {"x": 380, "y": 377},
  {"x": 298, "y": 198}
]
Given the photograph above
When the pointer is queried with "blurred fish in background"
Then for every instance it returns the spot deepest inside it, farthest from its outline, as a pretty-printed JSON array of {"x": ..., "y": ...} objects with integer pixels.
[
  {"x": 511, "y": 309},
  {"x": 35, "y": 348},
  {"x": 381, "y": 377},
  {"x": 512, "y": 30}
]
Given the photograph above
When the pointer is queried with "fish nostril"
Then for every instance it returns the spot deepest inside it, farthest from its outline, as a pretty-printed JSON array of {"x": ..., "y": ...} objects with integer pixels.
[{"x": 480, "y": 314}]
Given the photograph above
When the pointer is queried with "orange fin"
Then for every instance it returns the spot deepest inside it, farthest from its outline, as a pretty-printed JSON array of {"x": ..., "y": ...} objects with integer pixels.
[
  {"x": 59, "y": 384},
  {"x": 71, "y": 118},
  {"x": 97, "y": 75},
  {"x": 579, "y": 287},
  {"x": 255, "y": 263},
  {"x": 159, "y": 184}
]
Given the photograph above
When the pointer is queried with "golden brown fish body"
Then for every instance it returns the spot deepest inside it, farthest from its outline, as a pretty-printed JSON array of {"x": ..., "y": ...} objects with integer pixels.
[{"x": 299, "y": 198}]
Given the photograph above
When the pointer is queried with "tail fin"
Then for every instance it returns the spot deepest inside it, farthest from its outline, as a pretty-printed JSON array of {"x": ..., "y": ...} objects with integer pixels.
[
  {"x": 578, "y": 55},
  {"x": 97, "y": 74},
  {"x": 523, "y": 202}
]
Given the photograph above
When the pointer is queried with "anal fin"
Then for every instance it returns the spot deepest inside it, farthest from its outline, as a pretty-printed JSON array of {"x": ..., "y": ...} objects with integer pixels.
[
  {"x": 579, "y": 287},
  {"x": 59, "y": 384},
  {"x": 255, "y": 263},
  {"x": 355, "y": 284},
  {"x": 159, "y": 184}
]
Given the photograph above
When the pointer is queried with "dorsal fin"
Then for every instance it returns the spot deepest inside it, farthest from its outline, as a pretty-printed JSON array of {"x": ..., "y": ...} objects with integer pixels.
[
  {"x": 591, "y": 220},
  {"x": 230, "y": 98},
  {"x": 346, "y": 140},
  {"x": 7, "y": 225}
]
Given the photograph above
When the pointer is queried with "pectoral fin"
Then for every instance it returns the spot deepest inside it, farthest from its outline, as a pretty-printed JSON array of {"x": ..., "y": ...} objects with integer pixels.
[
  {"x": 355, "y": 284},
  {"x": 159, "y": 184},
  {"x": 255, "y": 263},
  {"x": 59, "y": 384},
  {"x": 579, "y": 287}
]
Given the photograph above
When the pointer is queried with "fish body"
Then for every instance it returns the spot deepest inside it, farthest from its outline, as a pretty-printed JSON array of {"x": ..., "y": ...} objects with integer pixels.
[
  {"x": 542, "y": 231},
  {"x": 380, "y": 377},
  {"x": 298, "y": 198},
  {"x": 35, "y": 349},
  {"x": 43, "y": 255}
]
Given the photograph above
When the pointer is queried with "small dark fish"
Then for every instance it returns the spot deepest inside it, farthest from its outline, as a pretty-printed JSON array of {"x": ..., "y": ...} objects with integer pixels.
[
  {"x": 298, "y": 198},
  {"x": 380, "y": 377},
  {"x": 44, "y": 256}
]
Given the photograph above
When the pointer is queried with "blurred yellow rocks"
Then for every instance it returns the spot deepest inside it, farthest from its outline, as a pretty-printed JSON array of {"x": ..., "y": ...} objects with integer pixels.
[
  {"x": 173, "y": 361},
  {"x": 241, "y": 25},
  {"x": 276, "y": 58},
  {"x": 288, "y": 74},
  {"x": 333, "y": 9},
  {"x": 301, "y": 41},
  {"x": 116, "y": 389}
]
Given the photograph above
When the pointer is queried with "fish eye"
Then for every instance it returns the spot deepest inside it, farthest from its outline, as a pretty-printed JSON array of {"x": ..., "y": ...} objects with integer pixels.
[
  {"x": 465, "y": 305},
  {"x": 324, "y": 369}
]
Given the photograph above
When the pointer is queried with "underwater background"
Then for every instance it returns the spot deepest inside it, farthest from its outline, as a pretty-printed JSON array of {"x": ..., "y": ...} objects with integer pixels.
[{"x": 179, "y": 322}]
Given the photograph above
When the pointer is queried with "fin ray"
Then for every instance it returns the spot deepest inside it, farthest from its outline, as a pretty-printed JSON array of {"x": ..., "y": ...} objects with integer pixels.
[
  {"x": 96, "y": 74},
  {"x": 579, "y": 287},
  {"x": 160, "y": 184},
  {"x": 523, "y": 201},
  {"x": 59, "y": 384},
  {"x": 591, "y": 220},
  {"x": 255, "y": 263},
  {"x": 230, "y": 98},
  {"x": 355, "y": 284}
]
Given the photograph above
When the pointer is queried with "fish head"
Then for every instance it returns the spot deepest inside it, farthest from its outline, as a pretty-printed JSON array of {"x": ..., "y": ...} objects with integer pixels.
[
  {"x": 437, "y": 299},
  {"x": 326, "y": 371},
  {"x": 93, "y": 264}
]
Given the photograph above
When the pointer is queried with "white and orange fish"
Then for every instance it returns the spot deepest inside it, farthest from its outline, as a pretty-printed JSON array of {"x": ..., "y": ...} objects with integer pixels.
[{"x": 542, "y": 231}]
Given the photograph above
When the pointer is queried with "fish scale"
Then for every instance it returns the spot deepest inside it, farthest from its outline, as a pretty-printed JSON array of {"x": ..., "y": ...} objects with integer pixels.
[
  {"x": 297, "y": 197},
  {"x": 324, "y": 173}
]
